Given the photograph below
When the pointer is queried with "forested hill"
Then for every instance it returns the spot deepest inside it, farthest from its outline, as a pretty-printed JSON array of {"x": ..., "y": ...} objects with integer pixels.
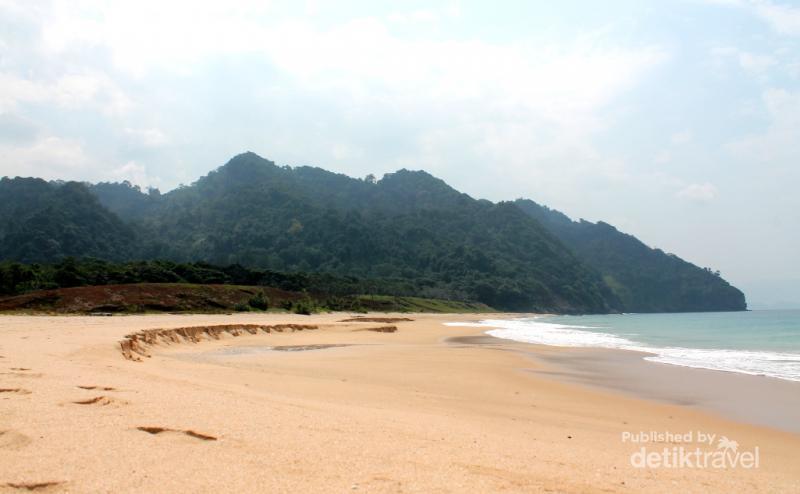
[
  {"x": 408, "y": 230},
  {"x": 643, "y": 278},
  {"x": 406, "y": 234},
  {"x": 42, "y": 221}
]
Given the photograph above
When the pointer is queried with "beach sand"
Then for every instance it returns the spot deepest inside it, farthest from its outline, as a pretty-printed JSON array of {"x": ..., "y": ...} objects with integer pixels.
[{"x": 427, "y": 408}]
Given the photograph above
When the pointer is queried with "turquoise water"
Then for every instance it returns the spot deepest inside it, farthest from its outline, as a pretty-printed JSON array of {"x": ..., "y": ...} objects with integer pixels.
[
  {"x": 756, "y": 342},
  {"x": 755, "y": 330}
]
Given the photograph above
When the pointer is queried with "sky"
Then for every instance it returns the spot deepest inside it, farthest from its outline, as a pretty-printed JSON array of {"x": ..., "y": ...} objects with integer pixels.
[{"x": 677, "y": 122}]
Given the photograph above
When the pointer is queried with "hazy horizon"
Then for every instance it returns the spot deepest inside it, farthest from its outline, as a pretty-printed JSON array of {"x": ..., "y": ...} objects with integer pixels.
[{"x": 675, "y": 123}]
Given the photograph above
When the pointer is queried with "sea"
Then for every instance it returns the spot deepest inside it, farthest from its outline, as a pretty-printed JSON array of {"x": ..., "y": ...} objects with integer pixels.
[{"x": 758, "y": 342}]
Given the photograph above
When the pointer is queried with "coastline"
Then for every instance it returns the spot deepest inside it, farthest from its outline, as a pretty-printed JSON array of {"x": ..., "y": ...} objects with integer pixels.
[
  {"x": 412, "y": 410},
  {"x": 758, "y": 400}
]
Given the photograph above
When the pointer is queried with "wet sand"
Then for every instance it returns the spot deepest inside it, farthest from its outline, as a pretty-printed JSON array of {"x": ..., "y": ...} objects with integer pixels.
[
  {"x": 759, "y": 400},
  {"x": 414, "y": 410},
  {"x": 754, "y": 399}
]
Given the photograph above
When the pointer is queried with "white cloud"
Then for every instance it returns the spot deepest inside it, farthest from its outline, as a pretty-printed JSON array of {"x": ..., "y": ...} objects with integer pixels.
[
  {"x": 728, "y": 3},
  {"x": 698, "y": 192},
  {"x": 48, "y": 157},
  {"x": 662, "y": 158},
  {"x": 17, "y": 129},
  {"x": 55, "y": 158},
  {"x": 14, "y": 90},
  {"x": 134, "y": 173},
  {"x": 71, "y": 91},
  {"x": 149, "y": 138},
  {"x": 778, "y": 145},
  {"x": 756, "y": 63},
  {"x": 151, "y": 33},
  {"x": 784, "y": 19},
  {"x": 524, "y": 105},
  {"x": 562, "y": 84},
  {"x": 422, "y": 15},
  {"x": 681, "y": 137},
  {"x": 343, "y": 152},
  {"x": 361, "y": 56}
]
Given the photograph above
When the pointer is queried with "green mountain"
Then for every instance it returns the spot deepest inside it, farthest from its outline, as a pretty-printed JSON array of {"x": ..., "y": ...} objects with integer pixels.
[
  {"x": 407, "y": 234},
  {"x": 41, "y": 221},
  {"x": 409, "y": 230},
  {"x": 643, "y": 278}
]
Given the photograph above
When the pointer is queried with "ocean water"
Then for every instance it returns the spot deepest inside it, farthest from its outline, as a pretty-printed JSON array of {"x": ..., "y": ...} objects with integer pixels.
[{"x": 756, "y": 342}]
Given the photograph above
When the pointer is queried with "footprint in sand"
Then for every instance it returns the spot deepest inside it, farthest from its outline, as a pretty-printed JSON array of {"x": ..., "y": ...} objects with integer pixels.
[
  {"x": 18, "y": 372},
  {"x": 34, "y": 486},
  {"x": 190, "y": 433},
  {"x": 13, "y": 440},
  {"x": 101, "y": 401},
  {"x": 19, "y": 391},
  {"x": 99, "y": 388}
]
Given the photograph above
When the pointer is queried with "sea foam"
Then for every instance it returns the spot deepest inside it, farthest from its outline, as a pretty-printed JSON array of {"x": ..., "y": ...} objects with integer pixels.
[{"x": 779, "y": 365}]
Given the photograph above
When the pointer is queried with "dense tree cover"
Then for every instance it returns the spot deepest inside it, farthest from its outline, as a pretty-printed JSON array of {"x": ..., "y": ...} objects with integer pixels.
[
  {"x": 193, "y": 287},
  {"x": 407, "y": 226},
  {"x": 405, "y": 234},
  {"x": 644, "y": 279},
  {"x": 17, "y": 278},
  {"x": 42, "y": 221},
  {"x": 125, "y": 199}
]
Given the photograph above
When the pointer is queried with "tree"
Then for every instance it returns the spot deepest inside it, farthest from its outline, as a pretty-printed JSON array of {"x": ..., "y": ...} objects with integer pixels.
[{"x": 259, "y": 301}]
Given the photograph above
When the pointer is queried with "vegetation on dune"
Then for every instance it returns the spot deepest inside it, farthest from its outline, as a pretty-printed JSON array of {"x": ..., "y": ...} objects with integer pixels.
[
  {"x": 92, "y": 285},
  {"x": 383, "y": 303}
]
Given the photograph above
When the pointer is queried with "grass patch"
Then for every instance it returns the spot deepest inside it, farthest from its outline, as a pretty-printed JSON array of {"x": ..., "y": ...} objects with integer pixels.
[{"x": 388, "y": 303}]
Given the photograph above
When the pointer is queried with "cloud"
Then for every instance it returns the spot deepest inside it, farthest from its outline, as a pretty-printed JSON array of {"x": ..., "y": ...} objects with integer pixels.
[
  {"x": 360, "y": 55},
  {"x": 727, "y": 3},
  {"x": 47, "y": 157},
  {"x": 149, "y": 138},
  {"x": 134, "y": 173},
  {"x": 422, "y": 15},
  {"x": 55, "y": 158},
  {"x": 15, "y": 129},
  {"x": 89, "y": 89},
  {"x": 662, "y": 158},
  {"x": 681, "y": 137},
  {"x": 151, "y": 34},
  {"x": 778, "y": 144},
  {"x": 522, "y": 106},
  {"x": 14, "y": 90},
  {"x": 698, "y": 192},
  {"x": 756, "y": 63},
  {"x": 464, "y": 109},
  {"x": 782, "y": 18},
  {"x": 785, "y": 19}
]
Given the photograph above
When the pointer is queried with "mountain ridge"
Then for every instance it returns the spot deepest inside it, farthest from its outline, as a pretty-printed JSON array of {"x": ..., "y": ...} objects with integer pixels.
[
  {"x": 410, "y": 232},
  {"x": 668, "y": 283}
]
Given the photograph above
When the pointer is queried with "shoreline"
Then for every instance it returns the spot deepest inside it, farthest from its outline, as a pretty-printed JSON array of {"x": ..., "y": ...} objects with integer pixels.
[
  {"x": 753, "y": 399},
  {"x": 425, "y": 408},
  {"x": 759, "y": 400}
]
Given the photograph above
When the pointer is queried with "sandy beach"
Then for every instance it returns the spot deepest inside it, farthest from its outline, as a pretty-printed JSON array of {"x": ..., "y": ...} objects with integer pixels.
[{"x": 426, "y": 408}]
